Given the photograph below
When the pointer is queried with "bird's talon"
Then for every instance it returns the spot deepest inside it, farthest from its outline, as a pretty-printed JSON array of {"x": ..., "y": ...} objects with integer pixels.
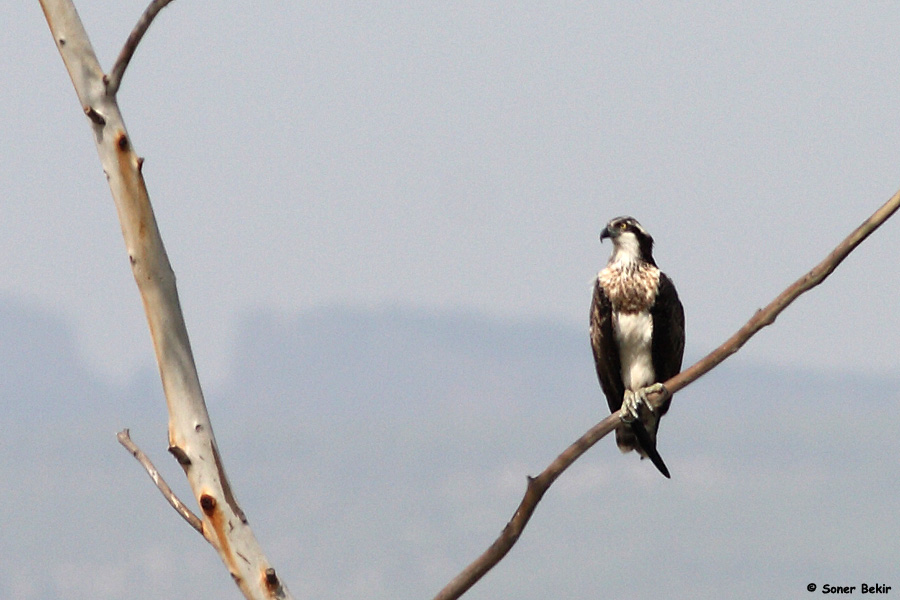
[
  {"x": 630, "y": 404},
  {"x": 632, "y": 401},
  {"x": 658, "y": 388}
]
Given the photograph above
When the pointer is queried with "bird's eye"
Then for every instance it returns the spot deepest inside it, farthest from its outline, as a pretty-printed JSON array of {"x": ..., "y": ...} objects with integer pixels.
[{"x": 622, "y": 225}]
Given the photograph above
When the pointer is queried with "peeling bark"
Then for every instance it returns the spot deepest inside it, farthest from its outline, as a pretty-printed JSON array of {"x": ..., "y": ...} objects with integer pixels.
[{"x": 191, "y": 438}]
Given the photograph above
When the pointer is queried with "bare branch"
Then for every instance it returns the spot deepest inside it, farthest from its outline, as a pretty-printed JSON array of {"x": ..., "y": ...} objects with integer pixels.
[
  {"x": 766, "y": 316},
  {"x": 193, "y": 520},
  {"x": 533, "y": 494},
  {"x": 114, "y": 79},
  {"x": 191, "y": 438},
  {"x": 537, "y": 486}
]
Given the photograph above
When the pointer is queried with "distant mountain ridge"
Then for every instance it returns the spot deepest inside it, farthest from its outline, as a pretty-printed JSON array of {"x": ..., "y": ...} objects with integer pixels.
[{"x": 376, "y": 452}]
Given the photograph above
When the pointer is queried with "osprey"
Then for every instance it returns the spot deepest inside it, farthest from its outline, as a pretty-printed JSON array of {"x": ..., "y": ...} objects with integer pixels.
[{"x": 637, "y": 334}]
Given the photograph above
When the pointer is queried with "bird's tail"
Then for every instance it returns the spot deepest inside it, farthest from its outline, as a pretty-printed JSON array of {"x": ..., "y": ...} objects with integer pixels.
[{"x": 648, "y": 445}]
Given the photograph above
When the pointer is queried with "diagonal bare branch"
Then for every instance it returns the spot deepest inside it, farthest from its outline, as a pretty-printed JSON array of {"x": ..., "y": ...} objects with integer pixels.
[
  {"x": 193, "y": 520},
  {"x": 114, "y": 79},
  {"x": 766, "y": 316},
  {"x": 537, "y": 486},
  {"x": 191, "y": 437}
]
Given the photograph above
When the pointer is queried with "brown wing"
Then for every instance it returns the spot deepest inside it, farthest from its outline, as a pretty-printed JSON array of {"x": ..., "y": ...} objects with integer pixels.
[
  {"x": 606, "y": 351},
  {"x": 668, "y": 334}
]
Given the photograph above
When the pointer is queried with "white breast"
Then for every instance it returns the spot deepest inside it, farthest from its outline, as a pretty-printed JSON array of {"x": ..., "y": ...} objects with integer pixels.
[{"x": 634, "y": 333}]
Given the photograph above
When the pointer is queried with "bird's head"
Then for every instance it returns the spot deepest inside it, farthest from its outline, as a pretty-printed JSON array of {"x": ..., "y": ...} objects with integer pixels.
[{"x": 631, "y": 242}]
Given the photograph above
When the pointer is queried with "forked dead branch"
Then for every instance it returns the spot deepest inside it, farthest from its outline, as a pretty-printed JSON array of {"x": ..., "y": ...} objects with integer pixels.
[{"x": 191, "y": 438}]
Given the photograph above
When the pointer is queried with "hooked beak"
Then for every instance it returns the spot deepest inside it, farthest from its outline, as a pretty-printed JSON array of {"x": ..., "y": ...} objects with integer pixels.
[{"x": 605, "y": 234}]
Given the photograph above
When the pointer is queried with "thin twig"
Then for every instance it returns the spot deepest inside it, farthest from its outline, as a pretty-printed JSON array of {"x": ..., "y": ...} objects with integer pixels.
[
  {"x": 193, "y": 520},
  {"x": 537, "y": 486},
  {"x": 114, "y": 79}
]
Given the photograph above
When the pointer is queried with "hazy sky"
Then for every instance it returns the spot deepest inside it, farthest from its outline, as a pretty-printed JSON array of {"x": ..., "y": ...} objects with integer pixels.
[{"x": 465, "y": 155}]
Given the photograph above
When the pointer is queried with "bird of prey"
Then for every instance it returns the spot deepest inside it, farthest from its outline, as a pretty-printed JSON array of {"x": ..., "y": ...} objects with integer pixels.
[{"x": 637, "y": 334}]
